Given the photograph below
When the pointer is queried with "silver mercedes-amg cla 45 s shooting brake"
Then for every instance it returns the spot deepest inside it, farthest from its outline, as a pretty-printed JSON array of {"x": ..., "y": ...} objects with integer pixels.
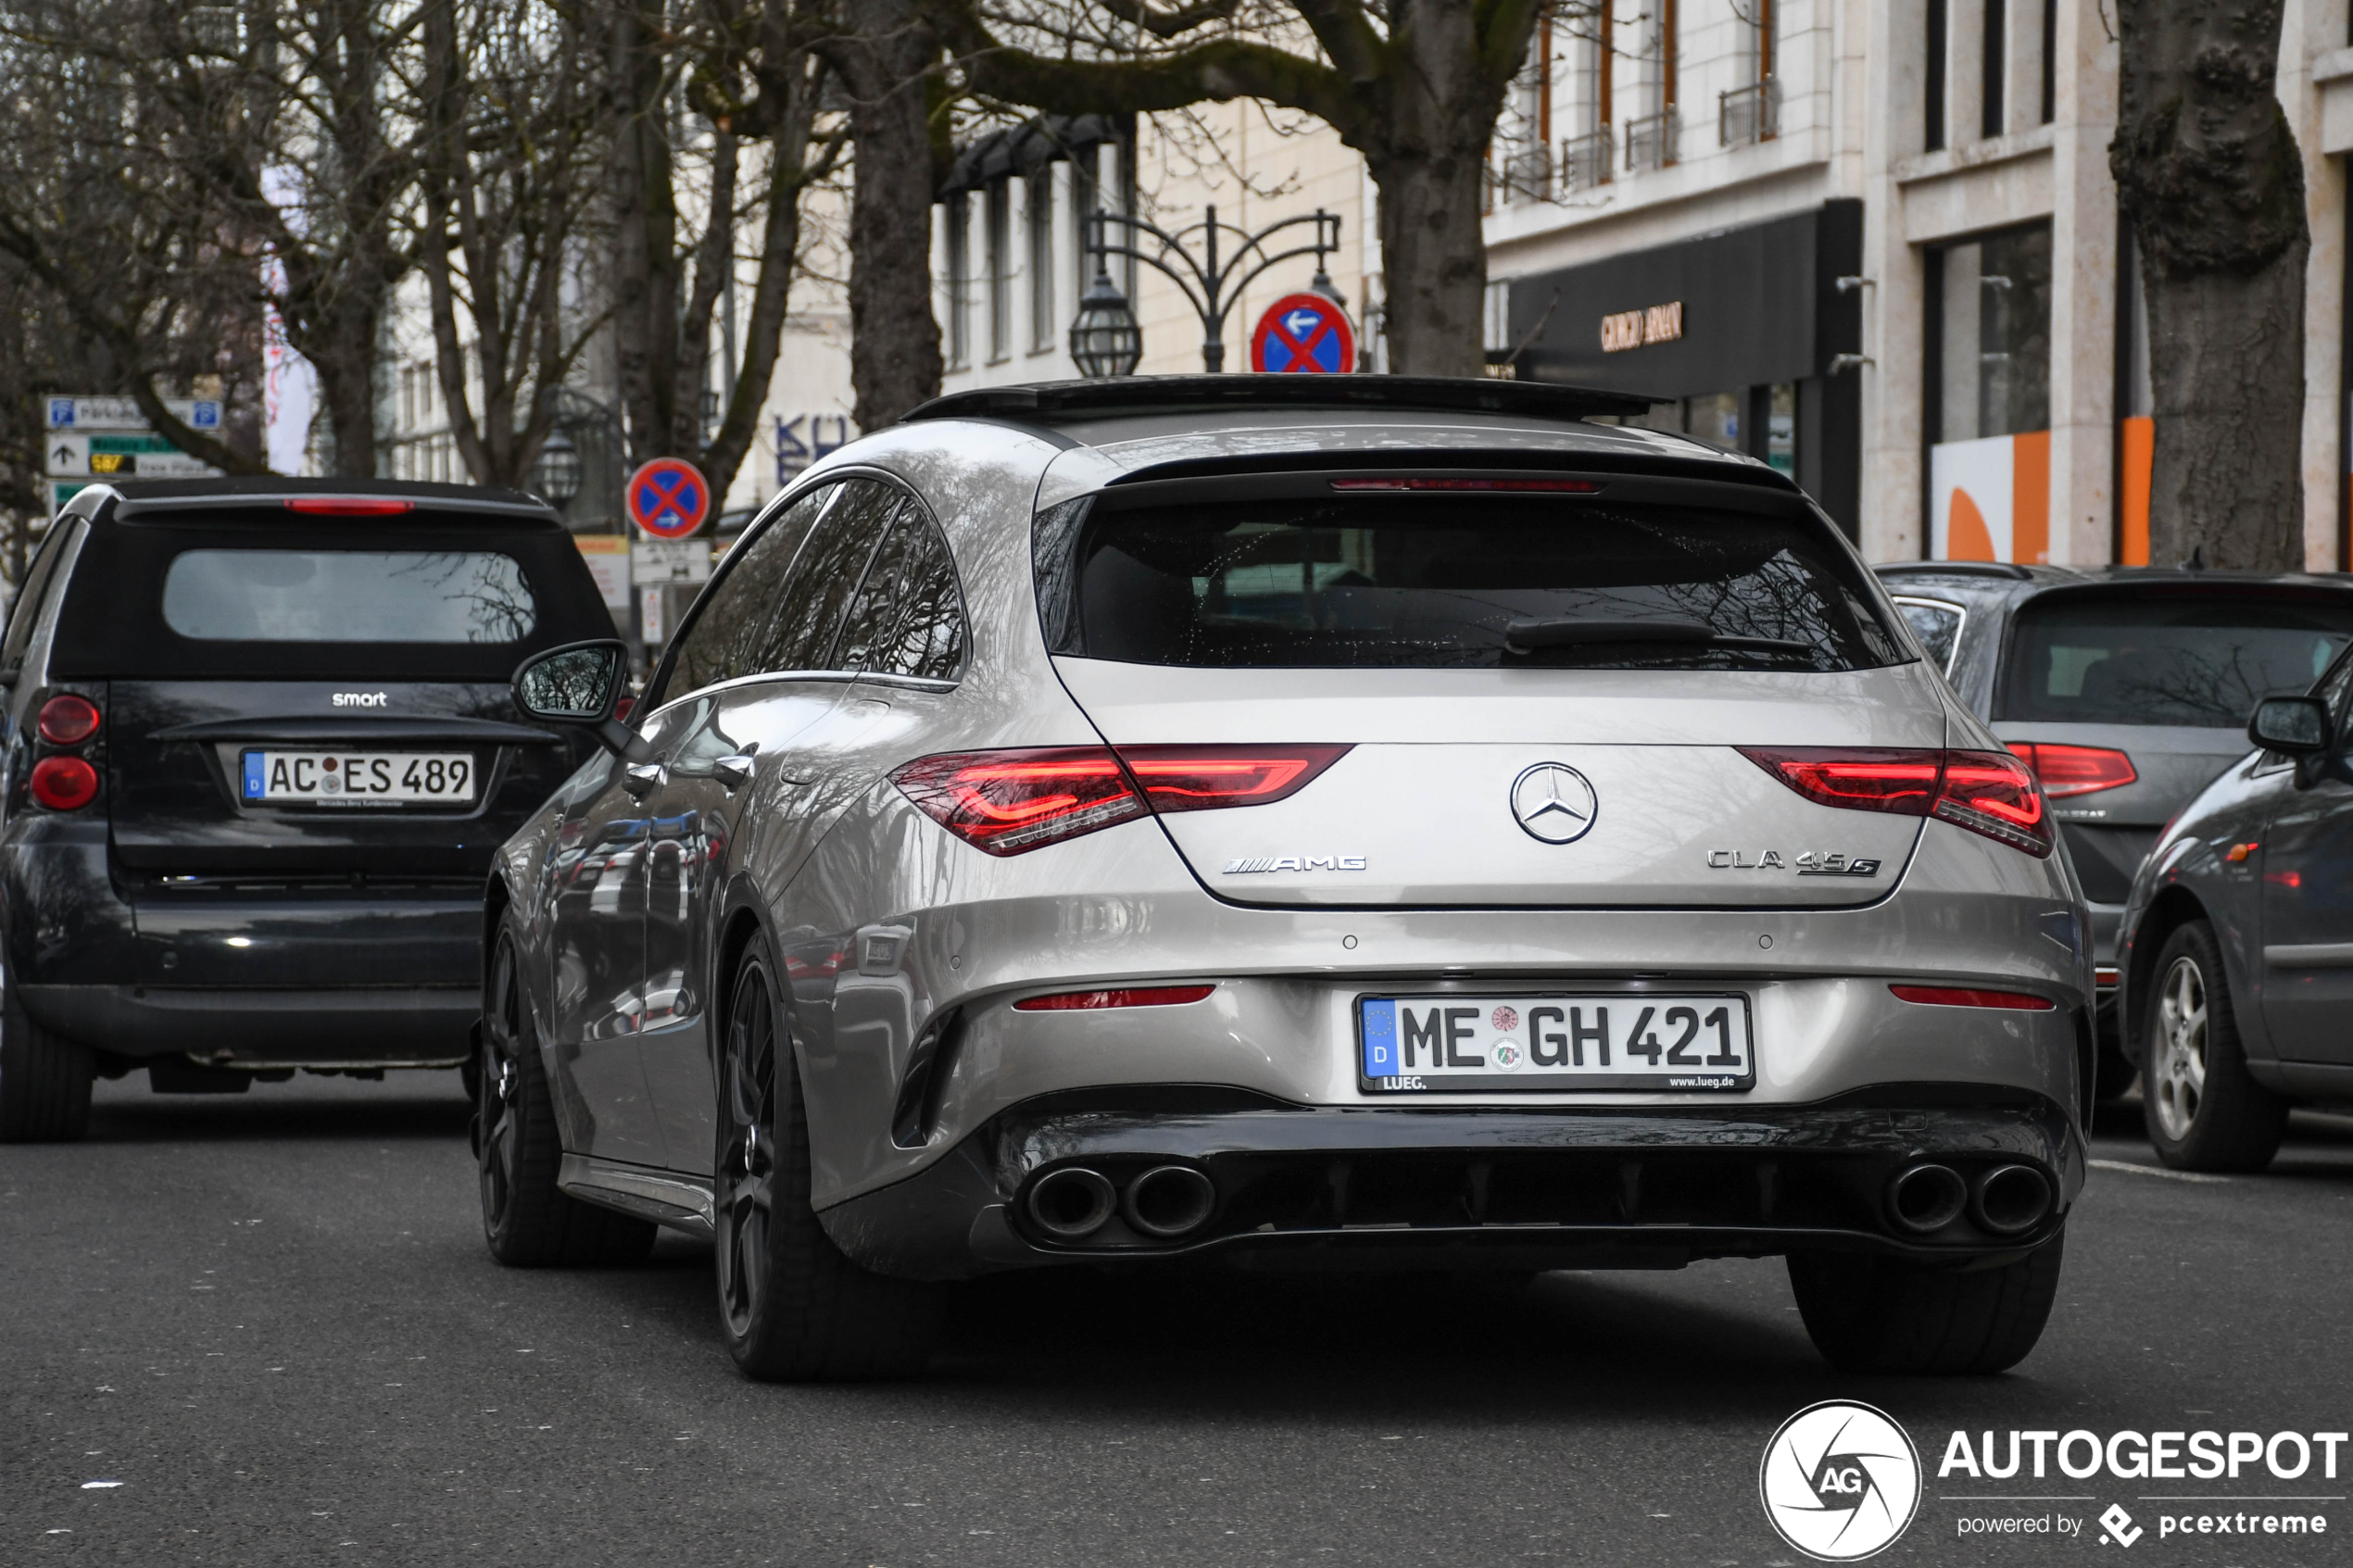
[{"x": 1353, "y": 823}]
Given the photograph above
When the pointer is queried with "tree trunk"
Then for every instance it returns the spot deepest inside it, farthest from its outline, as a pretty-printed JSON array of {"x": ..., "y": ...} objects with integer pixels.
[
  {"x": 894, "y": 346},
  {"x": 2207, "y": 170},
  {"x": 1434, "y": 262}
]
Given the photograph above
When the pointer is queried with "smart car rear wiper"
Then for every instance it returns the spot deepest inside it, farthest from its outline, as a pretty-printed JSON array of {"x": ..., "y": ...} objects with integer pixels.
[{"x": 1578, "y": 630}]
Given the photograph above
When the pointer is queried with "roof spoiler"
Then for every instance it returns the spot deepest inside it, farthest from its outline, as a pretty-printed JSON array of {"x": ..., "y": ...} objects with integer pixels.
[{"x": 1055, "y": 402}]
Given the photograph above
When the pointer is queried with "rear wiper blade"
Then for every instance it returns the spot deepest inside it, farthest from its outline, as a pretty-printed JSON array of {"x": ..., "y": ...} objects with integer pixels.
[{"x": 1578, "y": 630}]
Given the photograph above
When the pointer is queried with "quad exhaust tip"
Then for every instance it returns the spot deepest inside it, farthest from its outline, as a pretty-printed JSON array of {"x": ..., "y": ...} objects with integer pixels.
[
  {"x": 2010, "y": 1198},
  {"x": 1169, "y": 1200},
  {"x": 1929, "y": 1198},
  {"x": 1071, "y": 1203}
]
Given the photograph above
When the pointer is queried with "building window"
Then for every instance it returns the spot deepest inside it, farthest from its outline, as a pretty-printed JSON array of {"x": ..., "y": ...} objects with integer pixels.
[
  {"x": 1528, "y": 160},
  {"x": 996, "y": 213},
  {"x": 1587, "y": 154},
  {"x": 1751, "y": 111},
  {"x": 1651, "y": 140},
  {"x": 1038, "y": 214},
  {"x": 1932, "y": 79},
  {"x": 959, "y": 331},
  {"x": 1995, "y": 59},
  {"x": 1988, "y": 395}
]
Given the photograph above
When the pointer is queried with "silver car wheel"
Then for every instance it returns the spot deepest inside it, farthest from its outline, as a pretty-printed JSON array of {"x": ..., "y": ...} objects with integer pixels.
[{"x": 2179, "y": 1055}]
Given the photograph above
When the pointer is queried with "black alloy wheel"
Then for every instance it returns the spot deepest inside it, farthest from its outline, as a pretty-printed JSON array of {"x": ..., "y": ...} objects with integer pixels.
[
  {"x": 792, "y": 1306},
  {"x": 526, "y": 1220}
]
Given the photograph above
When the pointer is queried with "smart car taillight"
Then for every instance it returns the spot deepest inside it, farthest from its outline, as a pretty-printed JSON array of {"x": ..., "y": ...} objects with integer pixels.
[
  {"x": 1986, "y": 792},
  {"x": 64, "y": 783},
  {"x": 349, "y": 506},
  {"x": 2075, "y": 770},
  {"x": 68, "y": 719},
  {"x": 1005, "y": 802},
  {"x": 1202, "y": 778},
  {"x": 1125, "y": 997}
]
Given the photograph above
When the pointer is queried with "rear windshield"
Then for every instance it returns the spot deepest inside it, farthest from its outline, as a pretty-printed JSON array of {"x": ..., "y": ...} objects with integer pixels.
[
  {"x": 348, "y": 597},
  {"x": 1456, "y": 582},
  {"x": 2145, "y": 660},
  {"x": 228, "y": 595}
]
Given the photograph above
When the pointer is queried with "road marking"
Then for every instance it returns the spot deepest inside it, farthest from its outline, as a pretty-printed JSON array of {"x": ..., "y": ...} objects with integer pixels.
[{"x": 2159, "y": 1171}]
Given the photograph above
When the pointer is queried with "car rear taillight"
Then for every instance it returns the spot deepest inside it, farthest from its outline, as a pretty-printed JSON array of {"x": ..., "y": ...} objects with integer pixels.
[
  {"x": 1554, "y": 486},
  {"x": 1202, "y": 778},
  {"x": 68, "y": 719},
  {"x": 1958, "y": 996},
  {"x": 349, "y": 506},
  {"x": 1006, "y": 802},
  {"x": 64, "y": 783},
  {"x": 1986, "y": 792},
  {"x": 2075, "y": 770},
  {"x": 1129, "y": 996}
]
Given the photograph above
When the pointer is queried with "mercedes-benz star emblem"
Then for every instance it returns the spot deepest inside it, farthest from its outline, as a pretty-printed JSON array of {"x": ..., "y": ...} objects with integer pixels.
[{"x": 1553, "y": 801}]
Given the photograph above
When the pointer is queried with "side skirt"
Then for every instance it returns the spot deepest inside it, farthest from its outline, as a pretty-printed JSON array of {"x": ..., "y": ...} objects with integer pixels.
[{"x": 684, "y": 1203}]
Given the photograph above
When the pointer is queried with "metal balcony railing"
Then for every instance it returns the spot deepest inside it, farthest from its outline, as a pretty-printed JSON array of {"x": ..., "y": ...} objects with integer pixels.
[
  {"x": 1527, "y": 176},
  {"x": 1651, "y": 140},
  {"x": 1749, "y": 114},
  {"x": 1585, "y": 160}
]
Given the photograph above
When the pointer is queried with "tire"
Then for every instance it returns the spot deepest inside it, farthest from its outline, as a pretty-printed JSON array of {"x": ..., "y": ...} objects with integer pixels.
[
  {"x": 44, "y": 1080},
  {"x": 1874, "y": 1314},
  {"x": 792, "y": 1307},
  {"x": 2204, "y": 1112},
  {"x": 528, "y": 1223}
]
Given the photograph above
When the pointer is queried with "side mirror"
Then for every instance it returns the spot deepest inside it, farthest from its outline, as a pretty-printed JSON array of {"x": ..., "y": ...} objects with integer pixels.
[
  {"x": 2293, "y": 726},
  {"x": 580, "y": 684}
]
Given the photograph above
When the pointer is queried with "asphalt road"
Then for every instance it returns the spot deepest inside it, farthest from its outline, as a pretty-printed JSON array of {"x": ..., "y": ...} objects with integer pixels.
[{"x": 268, "y": 1327}]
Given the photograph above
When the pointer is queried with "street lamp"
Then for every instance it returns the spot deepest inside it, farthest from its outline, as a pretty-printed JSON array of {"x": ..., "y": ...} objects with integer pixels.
[
  {"x": 559, "y": 470},
  {"x": 1104, "y": 340},
  {"x": 1208, "y": 286}
]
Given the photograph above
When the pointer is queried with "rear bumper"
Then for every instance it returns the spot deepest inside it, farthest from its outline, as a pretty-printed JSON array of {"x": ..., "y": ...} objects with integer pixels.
[
  {"x": 1348, "y": 1187},
  {"x": 404, "y": 1026}
]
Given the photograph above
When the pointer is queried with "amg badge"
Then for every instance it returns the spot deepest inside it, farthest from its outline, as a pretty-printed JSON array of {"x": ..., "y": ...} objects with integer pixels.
[{"x": 1296, "y": 863}]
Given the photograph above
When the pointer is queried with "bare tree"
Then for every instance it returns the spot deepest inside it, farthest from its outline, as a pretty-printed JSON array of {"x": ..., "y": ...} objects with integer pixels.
[
  {"x": 1414, "y": 85},
  {"x": 505, "y": 88},
  {"x": 2206, "y": 169},
  {"x": 678, "y": 208}
]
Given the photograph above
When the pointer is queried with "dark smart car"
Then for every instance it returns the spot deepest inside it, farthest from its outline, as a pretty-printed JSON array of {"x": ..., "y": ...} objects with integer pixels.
[{"x": 260, "y": 750}]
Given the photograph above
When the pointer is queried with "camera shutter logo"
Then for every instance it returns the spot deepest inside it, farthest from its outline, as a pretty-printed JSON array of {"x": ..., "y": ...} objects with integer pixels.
[{"x": 1840, "y": 1481}]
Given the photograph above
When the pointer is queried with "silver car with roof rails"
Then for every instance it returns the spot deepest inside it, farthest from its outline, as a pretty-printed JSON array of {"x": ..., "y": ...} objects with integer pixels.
[{"x": 1367, "y": 823}]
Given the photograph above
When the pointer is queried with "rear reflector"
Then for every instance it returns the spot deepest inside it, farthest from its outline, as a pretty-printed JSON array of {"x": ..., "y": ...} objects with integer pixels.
[
  {"x": 1952, "y": 996},
  {"x": 1986, "y": 792},
  {"x": 349, "y": 506},
  {"x": 64, "y": 783},
  {"x": 1133, "y": 996},
  {"x": 1556, "y": 486},
  {"x": 68, "y": 719},
  {"x": 2075, "y": 770},
  {"x": 1006, "y": 802}
]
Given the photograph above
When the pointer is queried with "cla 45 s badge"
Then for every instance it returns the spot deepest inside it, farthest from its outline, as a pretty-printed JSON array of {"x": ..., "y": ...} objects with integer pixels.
[{"x": 1809, "y": 862}]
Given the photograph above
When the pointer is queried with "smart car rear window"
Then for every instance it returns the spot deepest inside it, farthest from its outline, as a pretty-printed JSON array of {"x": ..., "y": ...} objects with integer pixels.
[
  {"x": 1460, "y": 581},
  {"x": 2201, "y": 660},
  {"x": 348, "y": 597}
]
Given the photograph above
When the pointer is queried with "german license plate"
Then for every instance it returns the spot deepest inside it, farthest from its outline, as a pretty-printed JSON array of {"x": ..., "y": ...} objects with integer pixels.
[
  {"x": 1552, "y": 1044},
  {"x": 358, "y": 778}
]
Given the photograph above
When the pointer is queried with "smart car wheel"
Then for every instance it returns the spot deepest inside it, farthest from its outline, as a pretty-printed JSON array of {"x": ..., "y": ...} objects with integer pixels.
[
  {"x": 45, "y": 1082},
  {"x": 1872, "y": 1314},
  {"x": 527, "y": 1220},
  {"x": 792, "y": 1306},
  {"x": 2203, "y": 1110}
]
